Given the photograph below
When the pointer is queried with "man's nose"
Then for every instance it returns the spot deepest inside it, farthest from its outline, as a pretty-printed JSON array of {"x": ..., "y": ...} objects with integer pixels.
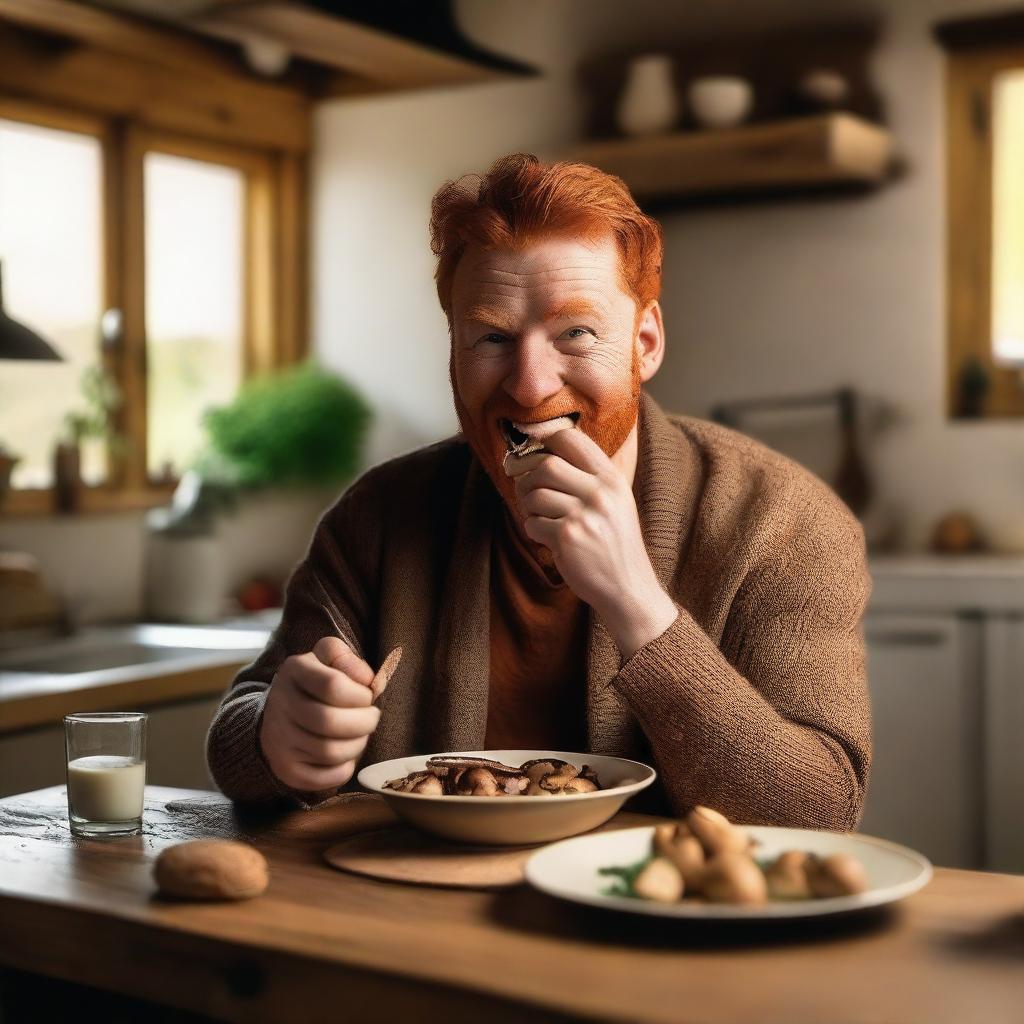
[{"x": 536, "y": 374}]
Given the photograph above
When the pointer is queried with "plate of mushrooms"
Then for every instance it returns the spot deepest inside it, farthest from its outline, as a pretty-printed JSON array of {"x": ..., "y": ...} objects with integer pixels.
[
  {"x": 507, "y": 797},
  {"x": 704, "y": 866}
]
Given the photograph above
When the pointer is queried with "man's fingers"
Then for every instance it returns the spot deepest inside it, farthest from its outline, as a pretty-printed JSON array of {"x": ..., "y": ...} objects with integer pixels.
[
  {"x": 328, "y": 752},
  {"x": 335, "y": 653},
  {"x": 543, "y": 531},
  {"x": 311, "y": 776},
  {"x": 578, "y": 450},
  {"x": 542, "y": 501},
  {"x": 315, "y": 681},
  {"x": 330, "y": 723},
  {"x": 556, "y": 474},
  {"x": 517, "y": 465}
]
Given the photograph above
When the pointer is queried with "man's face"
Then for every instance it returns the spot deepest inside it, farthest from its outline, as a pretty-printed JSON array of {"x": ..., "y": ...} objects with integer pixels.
[{"x": 538, "y": 334}]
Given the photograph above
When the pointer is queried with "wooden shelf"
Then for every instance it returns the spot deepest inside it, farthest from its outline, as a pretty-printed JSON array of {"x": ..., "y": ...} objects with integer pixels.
[{"x": 804, "y": 153}]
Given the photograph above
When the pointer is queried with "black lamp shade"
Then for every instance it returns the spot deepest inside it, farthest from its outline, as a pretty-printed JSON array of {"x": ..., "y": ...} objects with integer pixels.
[{"x": 20, "y": 342}]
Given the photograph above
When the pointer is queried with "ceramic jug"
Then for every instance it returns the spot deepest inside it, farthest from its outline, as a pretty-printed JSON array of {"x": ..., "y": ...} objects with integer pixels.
[{"x": 648, "y": 104}]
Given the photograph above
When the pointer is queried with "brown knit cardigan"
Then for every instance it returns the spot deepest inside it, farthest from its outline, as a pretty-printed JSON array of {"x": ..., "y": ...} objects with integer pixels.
[{"x": 754, "y": 701}]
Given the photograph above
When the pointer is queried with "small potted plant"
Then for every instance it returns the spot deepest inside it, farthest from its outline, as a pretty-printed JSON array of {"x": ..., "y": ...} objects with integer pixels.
[{"x": 91, "y": 422}]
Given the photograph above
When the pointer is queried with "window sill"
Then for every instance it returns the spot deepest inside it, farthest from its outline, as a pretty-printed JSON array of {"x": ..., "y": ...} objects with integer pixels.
[{"x": 40, "y": 504}]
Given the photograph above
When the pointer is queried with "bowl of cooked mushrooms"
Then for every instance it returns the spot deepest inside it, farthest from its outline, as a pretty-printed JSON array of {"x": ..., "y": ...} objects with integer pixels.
[{"x": 506, "y": 797}]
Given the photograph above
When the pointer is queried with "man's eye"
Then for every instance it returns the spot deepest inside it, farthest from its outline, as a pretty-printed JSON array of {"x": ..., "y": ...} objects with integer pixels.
[
  {"x": 577, "y": 332},
  {"x": 493, "y": 339}
]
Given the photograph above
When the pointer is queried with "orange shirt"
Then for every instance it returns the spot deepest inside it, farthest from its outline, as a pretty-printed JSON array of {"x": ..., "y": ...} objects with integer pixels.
[{"x": 538, "y": 652}]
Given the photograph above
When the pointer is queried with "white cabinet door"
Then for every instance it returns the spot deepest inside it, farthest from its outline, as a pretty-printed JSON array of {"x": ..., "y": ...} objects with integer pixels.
[
  {"x": 924, "y": 674},
  {"x": 1004, "y": 748}
]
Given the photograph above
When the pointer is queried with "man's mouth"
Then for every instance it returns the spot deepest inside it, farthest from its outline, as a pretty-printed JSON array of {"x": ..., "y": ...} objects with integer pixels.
[{"x": 525, "y": 437}]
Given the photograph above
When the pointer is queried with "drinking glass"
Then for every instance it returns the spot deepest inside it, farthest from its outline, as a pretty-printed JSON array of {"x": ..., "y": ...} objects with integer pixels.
[{"x": 106, "y": 772}]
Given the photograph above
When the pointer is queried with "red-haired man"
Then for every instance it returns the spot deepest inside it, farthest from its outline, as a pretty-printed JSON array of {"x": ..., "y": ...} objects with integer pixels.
[{"x": 654, "y": 587}]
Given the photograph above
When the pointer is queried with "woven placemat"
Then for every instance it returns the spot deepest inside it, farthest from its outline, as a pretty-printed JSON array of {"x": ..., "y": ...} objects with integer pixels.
[{"x": 402, "y": 854}]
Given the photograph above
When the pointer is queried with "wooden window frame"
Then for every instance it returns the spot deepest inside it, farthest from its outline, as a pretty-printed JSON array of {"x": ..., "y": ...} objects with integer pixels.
[
  {"x": 970, "y": 73},
  {"x": 206, "y": 114}
]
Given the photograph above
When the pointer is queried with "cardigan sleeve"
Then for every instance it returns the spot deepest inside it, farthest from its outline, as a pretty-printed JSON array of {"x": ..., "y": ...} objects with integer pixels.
[
  {"x": 330, "y": 593},
  {"x": 773, "y": 727}
]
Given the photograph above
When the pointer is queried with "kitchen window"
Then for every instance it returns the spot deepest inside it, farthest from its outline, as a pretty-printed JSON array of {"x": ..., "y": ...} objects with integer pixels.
[
  {"x": 985, "y": 243},
  {"x": 167, "y": 263}
]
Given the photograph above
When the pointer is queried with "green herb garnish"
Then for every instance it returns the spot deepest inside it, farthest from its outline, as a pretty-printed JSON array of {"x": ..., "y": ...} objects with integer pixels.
[{"x": 624, "y": 877}]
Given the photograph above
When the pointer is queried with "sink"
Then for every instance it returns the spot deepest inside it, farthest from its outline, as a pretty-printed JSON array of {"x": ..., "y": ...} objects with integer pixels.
[{"x": 99, "y": 648}]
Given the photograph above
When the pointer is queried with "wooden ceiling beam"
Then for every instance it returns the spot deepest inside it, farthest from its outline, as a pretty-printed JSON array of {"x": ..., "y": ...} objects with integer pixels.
[
  {"x": 359, "y": 50},
  {"x": 122, "y": 33},
  {"x": 217, "y": 107}
]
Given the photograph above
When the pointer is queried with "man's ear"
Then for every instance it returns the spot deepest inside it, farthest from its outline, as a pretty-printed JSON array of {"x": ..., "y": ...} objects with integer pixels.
[{"x": 650, "y": 341}]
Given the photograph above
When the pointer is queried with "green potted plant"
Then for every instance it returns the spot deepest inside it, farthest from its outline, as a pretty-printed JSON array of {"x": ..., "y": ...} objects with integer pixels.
[{"x": 300, "y": 427}]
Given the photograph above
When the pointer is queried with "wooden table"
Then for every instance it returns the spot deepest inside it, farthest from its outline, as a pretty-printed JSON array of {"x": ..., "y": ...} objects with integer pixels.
[{"x": 321, "y": 945}]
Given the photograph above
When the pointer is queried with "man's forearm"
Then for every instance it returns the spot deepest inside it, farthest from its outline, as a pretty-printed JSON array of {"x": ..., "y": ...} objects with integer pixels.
[{"x": 718, "y": 741}]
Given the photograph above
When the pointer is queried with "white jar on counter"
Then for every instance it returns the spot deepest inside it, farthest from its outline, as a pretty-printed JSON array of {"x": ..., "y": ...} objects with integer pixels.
[{"x": 185, "y": 578}]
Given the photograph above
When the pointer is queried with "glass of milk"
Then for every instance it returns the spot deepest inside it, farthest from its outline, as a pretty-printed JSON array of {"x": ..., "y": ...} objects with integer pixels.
[{"x": 106, "y": 770}]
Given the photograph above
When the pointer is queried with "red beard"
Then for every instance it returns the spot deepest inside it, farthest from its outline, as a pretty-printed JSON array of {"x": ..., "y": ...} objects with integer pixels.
[{"x": 607, "y": 422}]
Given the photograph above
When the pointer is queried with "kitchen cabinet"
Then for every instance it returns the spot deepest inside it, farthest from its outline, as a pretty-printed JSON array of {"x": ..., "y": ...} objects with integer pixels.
[
  {"x": 926, "y": 778},
  {"x": 945, "y": 644},
  {"x": 175, "y": 755}
]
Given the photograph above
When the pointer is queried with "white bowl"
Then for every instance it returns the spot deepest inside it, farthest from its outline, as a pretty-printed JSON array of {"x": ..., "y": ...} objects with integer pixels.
[
  {"x": 720, "y": 102},
  {"x": 511, "y": 821}
]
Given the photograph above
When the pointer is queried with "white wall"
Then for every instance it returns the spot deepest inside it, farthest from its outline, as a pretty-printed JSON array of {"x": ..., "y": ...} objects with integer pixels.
[{"x": 759, "y": 299}]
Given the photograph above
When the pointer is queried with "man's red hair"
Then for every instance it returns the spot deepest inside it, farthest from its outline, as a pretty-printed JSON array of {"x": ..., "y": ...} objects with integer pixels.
[{"x": 521, "y": 200}]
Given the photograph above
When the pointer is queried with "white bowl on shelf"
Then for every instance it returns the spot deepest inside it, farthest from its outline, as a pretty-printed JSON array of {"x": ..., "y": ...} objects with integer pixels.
[
  {"x": 720, "y": 101},
  {"x": 511, "y": 820}
]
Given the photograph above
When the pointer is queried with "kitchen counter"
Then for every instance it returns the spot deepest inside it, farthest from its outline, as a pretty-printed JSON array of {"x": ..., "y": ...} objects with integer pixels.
[
  {"x": 928, "y": 582},
  {"x": 322, "y": 945},
  {"x": 42, "y": 683}
]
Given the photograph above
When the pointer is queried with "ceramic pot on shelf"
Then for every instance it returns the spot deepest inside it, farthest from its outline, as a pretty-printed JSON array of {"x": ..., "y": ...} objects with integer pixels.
[
  {"x": 721, "y": 101},
  {"x": 648, "y": 104}
]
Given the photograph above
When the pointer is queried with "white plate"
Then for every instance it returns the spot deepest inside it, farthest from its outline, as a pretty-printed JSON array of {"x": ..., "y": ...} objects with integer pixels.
[
  {"x": 511, "y": 821},
  {"x": 569, "y": 870}
]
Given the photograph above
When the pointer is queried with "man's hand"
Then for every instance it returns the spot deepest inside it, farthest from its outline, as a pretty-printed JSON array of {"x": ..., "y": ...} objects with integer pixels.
[
  {"x": 578, "y": 505},
  {"x": 318, "y": 717}
]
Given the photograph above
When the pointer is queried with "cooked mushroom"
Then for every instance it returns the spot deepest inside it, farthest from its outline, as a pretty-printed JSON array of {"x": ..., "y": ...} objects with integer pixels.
[
  {"x": 513, "y": 785},
  {"x": 555, "y": 781},
  {"x": 660, "y": 881},
  {"x": 679, "y": 845},
  {"x": 839, "y": 874},
  {"x": 716, "y": 833},
  {"x": 733, "y": 878},
  {"x": 539, "y": 767},
  {"x": 406, "y": 784},
  {"x": 456, "y": 762},
  {"x": 787, "y": 877},
  {"x": 580, "y": 785},
  {"x": 429, "y": 786},
  {"x": 477, "y": 782}
]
